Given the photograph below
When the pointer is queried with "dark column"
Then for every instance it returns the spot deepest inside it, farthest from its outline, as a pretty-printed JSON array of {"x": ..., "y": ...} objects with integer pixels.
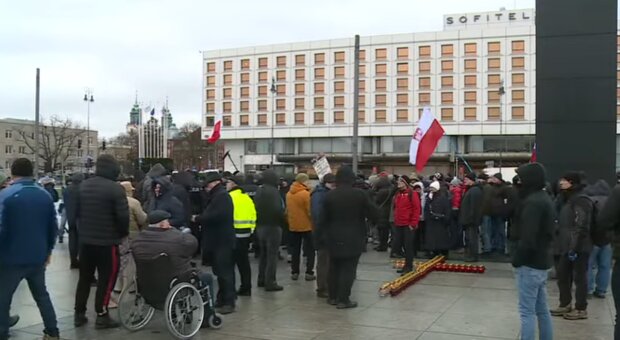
[{"x": 576, "y": 86}]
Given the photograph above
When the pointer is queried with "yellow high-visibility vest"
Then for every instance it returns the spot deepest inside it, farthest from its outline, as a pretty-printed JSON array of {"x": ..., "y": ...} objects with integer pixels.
[{"x": 244, "y": 213}]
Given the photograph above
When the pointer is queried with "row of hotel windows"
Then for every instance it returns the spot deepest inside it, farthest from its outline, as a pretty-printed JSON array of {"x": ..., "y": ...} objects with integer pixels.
[
  {"x": 447, "y": 66},
  {"x": 9, "y": 149},
  {"x": 447, "y": 50},
  {"x": 402, "y": 116}
]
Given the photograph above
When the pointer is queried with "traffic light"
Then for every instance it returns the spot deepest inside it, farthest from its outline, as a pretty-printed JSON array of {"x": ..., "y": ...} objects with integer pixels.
[{"x": 79, "y": 143}]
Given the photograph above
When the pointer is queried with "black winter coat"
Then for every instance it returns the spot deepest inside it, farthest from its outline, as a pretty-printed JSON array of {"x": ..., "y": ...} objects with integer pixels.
[
  {"x": 270, "y": 207},
  {"x": 383, "y": 200},
  {"x": 437, "y": 214},
  {"x": 217, "y": 220},
  {"x": 169, "y": 203},
  {"x": 470, "y": 214},
  {"x": 609, "y": 218},
  {"x": 574, "y": 222},
  {"x": 70, "y": 199}
]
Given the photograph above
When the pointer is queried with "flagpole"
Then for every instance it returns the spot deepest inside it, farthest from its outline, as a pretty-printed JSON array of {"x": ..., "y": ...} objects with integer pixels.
[{"x": 356, "y": 104}]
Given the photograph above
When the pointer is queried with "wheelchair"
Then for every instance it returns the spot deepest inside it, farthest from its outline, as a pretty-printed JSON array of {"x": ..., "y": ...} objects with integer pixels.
[{"x": 186, "y": 302}]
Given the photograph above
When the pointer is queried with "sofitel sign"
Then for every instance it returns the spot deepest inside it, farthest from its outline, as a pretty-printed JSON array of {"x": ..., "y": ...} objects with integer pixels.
[{"x": 488, "y": 18}]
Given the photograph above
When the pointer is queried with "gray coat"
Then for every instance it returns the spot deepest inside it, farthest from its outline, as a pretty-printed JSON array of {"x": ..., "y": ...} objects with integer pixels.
[{"x": 179, "y": 246}]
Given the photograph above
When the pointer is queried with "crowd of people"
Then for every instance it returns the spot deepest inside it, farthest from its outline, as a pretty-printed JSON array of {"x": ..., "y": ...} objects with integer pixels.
[{"x": 323, "y": 229}]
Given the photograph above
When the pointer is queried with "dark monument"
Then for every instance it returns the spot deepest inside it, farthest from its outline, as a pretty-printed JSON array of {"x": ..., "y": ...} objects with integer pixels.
[{"x": 576, "y": 86}]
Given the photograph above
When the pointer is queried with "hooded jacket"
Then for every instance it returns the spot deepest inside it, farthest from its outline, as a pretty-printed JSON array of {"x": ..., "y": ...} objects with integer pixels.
[
  {"x": 144, "y": 192},
  {"x": 470, "y": 214},
  {"x": 217, "y": 220},
  {"x": 298, "y": 208},
  {"x": 574, "y": 221},
  {"x": 70, "y": 198},
  {"x": 182, "y": 183},
  {"x": 268, "y": 202},
  {"x": 599, "y": 193},
  {"x": 609, "y": 218},
  {"x": 534, "y": 220},
  {"x": 137, "y": 216},
  {"x": 102, "y": 208},
  {"x": 166, "y": 201},
  {"x": 383, "y": 201}
]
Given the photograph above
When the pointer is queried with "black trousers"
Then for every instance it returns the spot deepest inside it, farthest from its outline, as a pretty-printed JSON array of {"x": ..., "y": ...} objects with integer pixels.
[
  {"x": 296, "y": 240},
  {"x": 404, "y": 237},
  {"x": 242, "y": 261},
  {"x": 106, "y": 261},
  {"x": 577, "y": 272},
  {"x": 322, "y": 271},
  {"x": 341, "y": 276},
  {"x": 473, "y": 240},
  {"x": 74, "y": 245},
  {"x": 269, "y": 238},
  {"x": 224, "y": 269},
  {"x": 615, "y": 289},
  {"x": 384, "y": 235}
]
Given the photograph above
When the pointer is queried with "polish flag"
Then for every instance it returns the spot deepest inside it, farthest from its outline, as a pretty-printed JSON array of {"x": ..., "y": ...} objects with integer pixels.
[
  {"x": 425, "y": 140},
  {"x": 217, "y": 127},
  {"x": 534, "y": 156}
]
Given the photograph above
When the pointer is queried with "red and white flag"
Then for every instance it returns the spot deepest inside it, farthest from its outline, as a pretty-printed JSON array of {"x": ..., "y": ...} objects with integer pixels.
[
  {"x": 534, "y": 156},
  {"x": 216, "y": 133},
  {"x": 425, "y": 140}
]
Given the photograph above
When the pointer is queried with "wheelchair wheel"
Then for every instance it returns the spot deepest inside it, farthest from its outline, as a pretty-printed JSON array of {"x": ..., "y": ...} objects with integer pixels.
[
  {"x": 133, "y": 311},
  {"x": 215, "y": 321},
  {"x": 184, "y": 311}
]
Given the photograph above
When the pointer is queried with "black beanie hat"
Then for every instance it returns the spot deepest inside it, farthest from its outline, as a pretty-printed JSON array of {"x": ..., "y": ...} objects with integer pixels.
[
  {"x": 471, "y": 176},
  {"x": 574, "y": 177}
]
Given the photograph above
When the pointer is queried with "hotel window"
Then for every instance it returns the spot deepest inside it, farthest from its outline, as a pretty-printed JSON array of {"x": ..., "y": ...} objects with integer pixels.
[
  {"x": 471, "y": 97},
  {"x": 362, "y": 70},
  {"x": 339, "y": 117},
  {"x": 227, "y": 107},
  {"x": 380, "y": 69},
  {"x": 424, "y": 98},
  {"x": 300, "y": 74},
  {"x": 300, "y": 103},
  {"x": 281, "y": 90},
  {"x": 211, "y": 94},
  {"x": 447, "y": 98},
  {"x": 262, "y": 91},
  {"x": 425, "y": 51},
  {"x": 402, "y": 52},
  {"x": 211, "y": 67},
  {"x": 362, "y": 55},
  {"x": 281, "y": 104},
  {"x": 262, "y": 105},
  {"x": 518, "y": 63},
  {"x": 362, "y": 85},
  {"x": 380, "y": 116},
  {"x": 281, "y": 61},
  {"x": 228, "y": 64},
  {"x": 227, "y": 121},
  {"x": 339, "y": 86},
  {"x": 518, "y": 112},
  {"x": 227, "y": 79},
  {"x": 617, "y": 59},
  {"x": 380, "y": 85},
  {"x": 300, "y": 60},
  {"x": 319, "y": 118},
  {"x": 227, "y": 92},
  {"x": 339, "y": 72},
  {"x": 380, "y": 100},
  {"x": 447, "y": 50},
  {"x": 339, "y": 57},
  {"x": 263, "y": 62},
  {"x": 518, "y": 46},
  {"x": 380, "y": 54},
  {"x": 402, "y": 115},
  {"x": 244, "y": 120},
  {"x": 471, "y": 49},
  {"x": 402, "y": 99},
  {"x": 424, "y": 82},
  {"x": 244, "y": 106},
  {"x": 361, "y": 116},
  {"x": 280, "y": 118},
  {"x": 319, "y": 88},
  {"x": 402, "y": 84},
  {"x": 300, "y": 118},
  {"x": 494, "y": 79},
  {"x": 209, "y": 120},
  {"x": 281, "y": 75},
  {"x": 493, "y": 96},
  {"x": 339, "y": 101},
  {"x": 245, "y": 64},
  {"x": 617, "y": 75},
  {"x": 319, "y": 58},
  {"x": 494, "y": 47},
  {"x": 300, "y": 88},
  {"x": 245, "y": 78},
  {"x": 210, "y": 107},
  {"x": 471, "y": 113},
  {"x": 319, "y": 102},
  {"x": 447, "y": 114},
  {"x": 402, "y": 68},
  {"x": 361, "y": 100},
  {"x": 518, "y": 79},
  {"x": 493, "y": 113},
  {"x": 262, "y": 120},
  {"x": 211, "y": 80},
  {"x": 425, "y": 66},
  {"x": 470, "y": 81},
  {"x": 319, "y": 73},
  {"x": 518, "y": 96},
  {"x": 447, "y": 66},
  {"x": 262, "y": 77},
  {"x": 447, "y": 81},
  {"x": 471, "y": 65},
  {"x": 494, "y": 64}
]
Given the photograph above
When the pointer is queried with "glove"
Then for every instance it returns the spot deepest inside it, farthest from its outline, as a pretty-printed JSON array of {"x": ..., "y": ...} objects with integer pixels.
[
  {"x": 572, "y": 256},
  {"x": 185, "y": 230}
]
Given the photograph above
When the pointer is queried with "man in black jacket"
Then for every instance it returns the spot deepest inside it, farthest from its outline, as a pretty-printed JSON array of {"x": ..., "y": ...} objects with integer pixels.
[
  {"x": 70, "y": 199},
  {"x": 103, "y": 215},
  {"x": 609, "y": 218},
  {"x": 471, "y": 215},
  {"x": 270, "y": 221},
  {"x": 383, "y": 200},
  {"x": 601, "y": 255},
  {"x": 164, "y": 199},
  {"x": 181, "y": 188},
  {"x": 343, "y": 230},
  {"x": 219, "y": 239},
  {"x": 533, "y": 233}
]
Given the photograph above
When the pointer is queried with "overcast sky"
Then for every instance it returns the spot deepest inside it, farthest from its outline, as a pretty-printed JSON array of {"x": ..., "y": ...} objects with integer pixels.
[{"x": 118, "y": 47}]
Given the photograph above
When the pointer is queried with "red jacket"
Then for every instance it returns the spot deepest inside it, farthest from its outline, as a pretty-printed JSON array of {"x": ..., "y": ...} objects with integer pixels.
[
  {"x": 457, "y": 196},
  {"x": 407, "y": 208}
]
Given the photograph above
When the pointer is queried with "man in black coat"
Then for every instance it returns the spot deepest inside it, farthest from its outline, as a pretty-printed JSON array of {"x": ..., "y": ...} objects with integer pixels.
[
  {"x": 609, "y": 218},
  {"x": 343, "y": 230},
  {"x": 103, "y": 216},
  {"x": 181, "y": 186},
  {"x": 70, "y": 199},
  {"x": 218, "y": 239},
  {"x": 471, "y": 215},
  {"x": 383, "y": 200}
]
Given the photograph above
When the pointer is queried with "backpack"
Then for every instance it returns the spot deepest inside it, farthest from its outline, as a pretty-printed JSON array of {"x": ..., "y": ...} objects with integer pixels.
[{"x": 600, "y": 236}]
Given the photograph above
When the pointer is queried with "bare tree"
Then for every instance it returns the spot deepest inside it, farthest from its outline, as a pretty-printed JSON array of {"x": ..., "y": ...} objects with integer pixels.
[
  {"x": 57, "y": 138},
  {"x": 189, "y": 147}
]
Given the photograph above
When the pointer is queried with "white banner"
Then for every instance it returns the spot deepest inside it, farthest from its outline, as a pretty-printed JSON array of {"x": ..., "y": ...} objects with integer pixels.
[{"x": 321, "y": 167}]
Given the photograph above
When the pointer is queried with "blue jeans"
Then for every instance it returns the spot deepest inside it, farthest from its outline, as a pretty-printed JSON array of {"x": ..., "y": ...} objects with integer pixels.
[
  {"x": 531, "y": 285},
  {"x": 600, "y": 258},
  {"x": 493, "y": 234},
  {"x": 10, "y": 277}
]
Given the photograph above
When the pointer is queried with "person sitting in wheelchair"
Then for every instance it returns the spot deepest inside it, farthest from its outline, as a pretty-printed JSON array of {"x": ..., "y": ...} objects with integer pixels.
[{"x": 160, "y": 237}]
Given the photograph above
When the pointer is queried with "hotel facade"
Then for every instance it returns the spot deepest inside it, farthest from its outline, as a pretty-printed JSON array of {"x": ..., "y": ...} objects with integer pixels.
[{"x": 477, "y": 76}]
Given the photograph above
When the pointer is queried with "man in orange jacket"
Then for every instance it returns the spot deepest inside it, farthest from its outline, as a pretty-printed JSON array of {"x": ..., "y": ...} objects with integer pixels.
[{"x": 300, "y": 226}]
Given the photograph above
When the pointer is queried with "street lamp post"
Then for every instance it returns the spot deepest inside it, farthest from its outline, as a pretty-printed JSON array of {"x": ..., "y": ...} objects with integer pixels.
[
  {"x": 273, "y": 119},
  {"x": 88, "y": 98}
]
